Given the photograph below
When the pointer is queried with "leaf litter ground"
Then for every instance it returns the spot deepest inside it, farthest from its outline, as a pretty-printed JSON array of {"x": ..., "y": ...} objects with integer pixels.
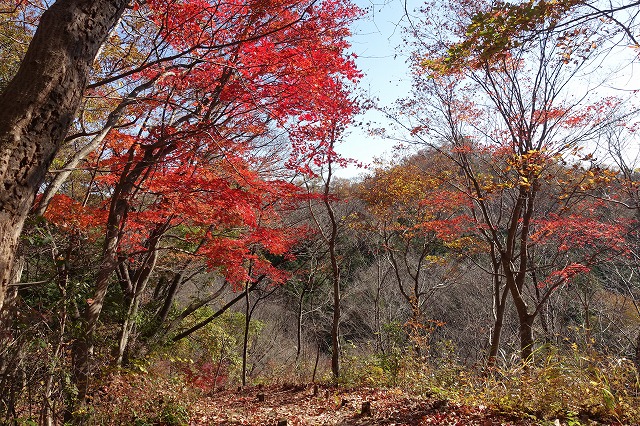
[{"x": 337, "y": 406}]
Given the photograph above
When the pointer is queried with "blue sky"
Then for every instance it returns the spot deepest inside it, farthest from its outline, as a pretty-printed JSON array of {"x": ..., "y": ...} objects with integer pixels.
[{"x": 376, "y": 38}]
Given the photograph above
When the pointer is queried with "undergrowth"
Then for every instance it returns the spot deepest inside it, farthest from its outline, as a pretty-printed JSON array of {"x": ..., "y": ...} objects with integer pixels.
[{"x": 576, "y": 387}]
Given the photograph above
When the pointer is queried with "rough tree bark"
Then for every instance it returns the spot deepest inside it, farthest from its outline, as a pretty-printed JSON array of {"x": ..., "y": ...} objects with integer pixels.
[{"x": 38, "y": 106}]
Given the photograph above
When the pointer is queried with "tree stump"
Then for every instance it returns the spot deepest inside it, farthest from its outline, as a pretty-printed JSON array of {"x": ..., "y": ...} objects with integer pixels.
[
  {"x": 260, "y": 397},
  {"x": 440, "y": 404},
  {"x": 315, "y": 390},
  {"x": 366, "y": 408}
]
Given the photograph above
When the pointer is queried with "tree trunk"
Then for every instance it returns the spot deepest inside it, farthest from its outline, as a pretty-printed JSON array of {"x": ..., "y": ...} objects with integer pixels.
[
  {"x": 140, "y": 280},
  {"x": 39, "y": 104},
  {"x": 335, "y": 274},
  {"x": 497, "y": 326},
  {"x": 315, "y": 365},
  {"x": 335, "y": 331},
  {"x": 525, "y": 319},
  {"x": 245, "y": 337},
  {"x": 48, "y": 413},
  {"x": 299, "y": 322},
  {"x": 168, "y": 301},
  {"x": 636, "y": 359},
  {"x": 376, "y": 306},
  {"x": 331, "y": 239},
  {"x": 526, "y": 337}
]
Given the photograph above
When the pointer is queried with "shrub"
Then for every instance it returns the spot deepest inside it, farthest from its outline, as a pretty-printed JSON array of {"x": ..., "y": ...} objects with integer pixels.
[{"x": 569, "y": 386}]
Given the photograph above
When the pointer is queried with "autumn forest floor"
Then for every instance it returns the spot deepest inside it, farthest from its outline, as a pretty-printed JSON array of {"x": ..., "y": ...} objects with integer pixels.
[
  {"x": 554, "y": 393},
  {"x": 337, "y": 406}
]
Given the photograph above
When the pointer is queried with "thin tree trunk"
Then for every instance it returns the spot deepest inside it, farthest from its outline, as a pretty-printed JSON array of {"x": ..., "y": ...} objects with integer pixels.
[
  {"x": 223, "y": 350},
  {"x": 315, "y": 365},
  {"x": 299, "y": 331},
  {"x": 497, "y": 326},
  {"x": 335, "y": 323},
  {"x": 48, "y": 409},
  {"x": 330, "y": 239},
  {"x": 299, "y": 324},
  {"x": 140, "y": 280},
  {"x": 378, "y": 326},
  {"x": 127, "y": 328},
  {"x": 636, "y": 359},
  {"x": 335, "y": 273},
  {"x": 39, "y": 104},
  {"x": 245, "y": 337},
  {"x": 168, "y": 300},
  {"x": 48, "y": 412}
]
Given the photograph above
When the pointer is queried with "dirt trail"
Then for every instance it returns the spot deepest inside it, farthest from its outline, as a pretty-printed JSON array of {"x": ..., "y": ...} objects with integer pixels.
[{"x": 334, "y": 406}]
